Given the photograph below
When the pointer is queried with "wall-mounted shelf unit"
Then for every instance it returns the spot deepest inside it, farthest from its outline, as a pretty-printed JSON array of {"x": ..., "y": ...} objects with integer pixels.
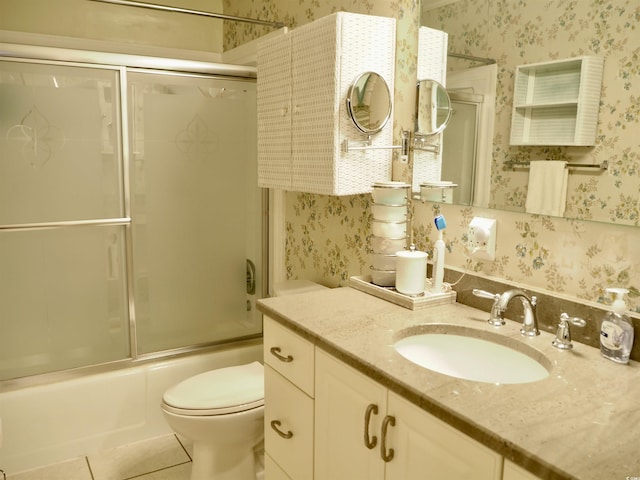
[{"x": 557, "y": 103}]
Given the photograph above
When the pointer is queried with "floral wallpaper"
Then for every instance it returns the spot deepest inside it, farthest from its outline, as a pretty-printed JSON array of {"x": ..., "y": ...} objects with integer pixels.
[
  {"x": 328, "y": 238},
  {"x": 517, "y": 32}
]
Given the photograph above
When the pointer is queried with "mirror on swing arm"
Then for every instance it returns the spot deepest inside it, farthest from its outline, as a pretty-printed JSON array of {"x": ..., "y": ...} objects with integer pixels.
[
  {"x": 433, "y": 108},
  {"x": 369, "y": 102}
]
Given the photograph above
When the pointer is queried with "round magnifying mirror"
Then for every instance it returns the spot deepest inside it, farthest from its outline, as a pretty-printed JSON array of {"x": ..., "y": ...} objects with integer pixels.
[
  {"x": 369, "y": 102},
  {"x": 433, "y": 108}
]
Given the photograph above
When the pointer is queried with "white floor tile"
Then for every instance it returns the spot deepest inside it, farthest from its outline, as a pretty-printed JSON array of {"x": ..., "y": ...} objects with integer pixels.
[
  {"x": 76, "y": 469},
  {"x": 180, "y": 472},
  {"x": 138, "y": 459}
]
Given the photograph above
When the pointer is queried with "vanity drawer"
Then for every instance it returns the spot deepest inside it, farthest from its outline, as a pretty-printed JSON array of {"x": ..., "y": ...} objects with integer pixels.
[
  {"x": 289, "y": 354},
  {"x": 288, "y": 429}
]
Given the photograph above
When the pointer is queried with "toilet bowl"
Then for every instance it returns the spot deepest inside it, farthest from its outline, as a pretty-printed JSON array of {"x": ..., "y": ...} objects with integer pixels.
[{"x": 222, "y": 412}]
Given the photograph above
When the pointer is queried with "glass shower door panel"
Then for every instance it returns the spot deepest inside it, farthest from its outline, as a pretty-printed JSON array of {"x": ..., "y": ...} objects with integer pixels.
[
  {"x": 459, "y": 151},
  {"x": 59, "y": 154},
  {"x": 62, "y": 299},
  {"x": 62, "y": 289},
  {"x": 191, "y": 155}
]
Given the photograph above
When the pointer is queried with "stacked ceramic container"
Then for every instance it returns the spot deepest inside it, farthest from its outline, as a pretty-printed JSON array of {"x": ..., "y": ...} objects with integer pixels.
[{"x": 389, "y": 229}]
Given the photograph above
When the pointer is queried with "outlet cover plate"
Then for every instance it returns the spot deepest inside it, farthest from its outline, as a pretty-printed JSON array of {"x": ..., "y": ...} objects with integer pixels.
[{"x": 482, "y": 238}]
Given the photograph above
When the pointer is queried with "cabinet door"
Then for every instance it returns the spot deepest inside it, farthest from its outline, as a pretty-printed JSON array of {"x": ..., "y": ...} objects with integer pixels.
[
  {"x": 288, "y": 416},
  {"x": 272, "y": 470},
  {"x": 425, "y": 448},
  {"x": 313, "y": 96},
  {"x": 514, "y": 472},
  {"x": 274, "y": 112},
  {"x": 343, "y": 396}
]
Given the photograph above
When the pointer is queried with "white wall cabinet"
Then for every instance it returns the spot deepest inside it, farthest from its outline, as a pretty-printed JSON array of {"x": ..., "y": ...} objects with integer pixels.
[
  {"x": 303, "y": 79},
  {"x": 432, "y": 65},
  {"x": 557, "y": 103},
  {"x": 414, "y": 445}
]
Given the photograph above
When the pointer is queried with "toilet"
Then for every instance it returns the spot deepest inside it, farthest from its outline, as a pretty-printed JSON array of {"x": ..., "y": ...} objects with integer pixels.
[{"x": 222, "y": 412}]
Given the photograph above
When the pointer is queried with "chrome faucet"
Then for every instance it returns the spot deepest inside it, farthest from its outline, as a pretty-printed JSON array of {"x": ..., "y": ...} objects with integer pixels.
[
  {"x": 500, "y": 303},
  {"x": 530, "y": 324}
]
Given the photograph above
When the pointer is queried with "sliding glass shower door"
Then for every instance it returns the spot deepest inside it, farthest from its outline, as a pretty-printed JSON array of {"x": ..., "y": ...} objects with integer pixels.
[
  {"x": 62, "y": 274},
  {"x": 128, "y": 210},
  {"x": 192, "y": 150}
]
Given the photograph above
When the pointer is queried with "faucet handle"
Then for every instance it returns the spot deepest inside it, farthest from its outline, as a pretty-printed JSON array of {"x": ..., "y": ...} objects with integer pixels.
[
  {"x": 485, "y": 294},
  {"x": 563, "y": 334},
  {"x": 495, "y": 318}
]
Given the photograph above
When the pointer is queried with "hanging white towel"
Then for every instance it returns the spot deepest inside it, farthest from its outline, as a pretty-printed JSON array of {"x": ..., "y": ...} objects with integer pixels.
[{"x": 547, "y": 193}]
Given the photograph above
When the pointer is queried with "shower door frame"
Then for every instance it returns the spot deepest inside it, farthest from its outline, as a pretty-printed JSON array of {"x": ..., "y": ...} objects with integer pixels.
[{"x": 122, "y": 64}]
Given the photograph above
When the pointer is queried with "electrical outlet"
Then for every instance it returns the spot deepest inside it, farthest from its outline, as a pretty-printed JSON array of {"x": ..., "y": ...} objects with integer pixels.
[{"x": 482, "y": 238}]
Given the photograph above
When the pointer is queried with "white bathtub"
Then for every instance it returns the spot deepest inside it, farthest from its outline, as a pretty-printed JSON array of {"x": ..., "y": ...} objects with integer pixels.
[{"x": 49, "y": 423}]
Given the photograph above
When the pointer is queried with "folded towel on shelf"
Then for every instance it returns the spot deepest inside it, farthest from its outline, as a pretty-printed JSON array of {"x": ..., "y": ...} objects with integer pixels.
[{"x": 547, "y": 192}]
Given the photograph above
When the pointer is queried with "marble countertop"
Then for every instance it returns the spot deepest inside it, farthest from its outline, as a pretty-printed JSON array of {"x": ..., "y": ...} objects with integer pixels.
[{"x": 582, "y": 422}]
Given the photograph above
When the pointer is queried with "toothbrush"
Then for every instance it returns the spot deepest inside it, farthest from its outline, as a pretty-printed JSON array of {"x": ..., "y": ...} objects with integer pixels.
[{"x": 438, "y": 256}]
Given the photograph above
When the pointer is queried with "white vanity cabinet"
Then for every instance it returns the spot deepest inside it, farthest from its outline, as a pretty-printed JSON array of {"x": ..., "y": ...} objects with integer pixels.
[
  {"x": 303, "y": 80},
  {"x": 324, "y": 420},
  {"x": 289, "y": 405},
  {"x": 514, "y": 472},
  {"x": 557, "y": 103},
  {"x": 404, "y": 441}
]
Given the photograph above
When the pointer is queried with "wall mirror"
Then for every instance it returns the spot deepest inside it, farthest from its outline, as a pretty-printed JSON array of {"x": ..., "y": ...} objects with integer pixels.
[
  {"x": 433, "y": 108},
  {"x": 610, "y": 196},
  {"x": 369, "y": 102}
]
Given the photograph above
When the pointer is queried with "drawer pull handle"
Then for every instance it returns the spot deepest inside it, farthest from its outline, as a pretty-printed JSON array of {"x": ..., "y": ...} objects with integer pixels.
[
  {"x": 387, "y": 455},
  {"x": 275, "y": 424},
  {"x": 275, "y": 351},
  {"x": 369, "y": 442}
]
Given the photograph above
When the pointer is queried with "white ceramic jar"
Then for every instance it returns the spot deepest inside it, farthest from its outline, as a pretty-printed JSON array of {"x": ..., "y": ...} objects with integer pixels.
[{"x": 411, "y": 272}]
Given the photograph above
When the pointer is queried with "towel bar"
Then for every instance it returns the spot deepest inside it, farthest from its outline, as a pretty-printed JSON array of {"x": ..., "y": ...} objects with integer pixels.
[{"x": 601, "y": 166}]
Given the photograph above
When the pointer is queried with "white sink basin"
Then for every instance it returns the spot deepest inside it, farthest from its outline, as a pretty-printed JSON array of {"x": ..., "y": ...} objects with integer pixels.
[{"x": 459, "y": 352}]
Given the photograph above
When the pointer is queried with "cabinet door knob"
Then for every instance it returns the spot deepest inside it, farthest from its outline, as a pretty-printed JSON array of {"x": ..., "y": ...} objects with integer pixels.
[
  {"x": 275, "y": 351},
  {"x": 370, "y": 442},
  {"x": 286, "y": 435},
  {"x": 387, "y": 455}
]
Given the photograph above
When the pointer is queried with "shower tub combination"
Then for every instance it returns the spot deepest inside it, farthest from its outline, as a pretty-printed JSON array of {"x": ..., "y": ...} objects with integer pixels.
[{"x": 131, "y": 244}]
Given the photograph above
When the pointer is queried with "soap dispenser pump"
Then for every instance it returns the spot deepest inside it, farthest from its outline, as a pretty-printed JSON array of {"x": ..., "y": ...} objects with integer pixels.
[{"x": 616, "y": 332}]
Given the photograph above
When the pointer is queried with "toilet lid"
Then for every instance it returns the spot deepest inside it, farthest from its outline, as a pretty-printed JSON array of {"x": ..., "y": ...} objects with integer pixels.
[{"x": 221, "y": 391}]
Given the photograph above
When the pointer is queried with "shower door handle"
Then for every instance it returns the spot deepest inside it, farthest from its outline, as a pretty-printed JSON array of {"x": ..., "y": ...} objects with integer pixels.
[{"x": 251, "y": 277}]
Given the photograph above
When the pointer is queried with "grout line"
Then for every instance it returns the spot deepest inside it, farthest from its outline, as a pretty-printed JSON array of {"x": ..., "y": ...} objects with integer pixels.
[
  {"x": 183, "y": 447},
  {"x": 142, "y": 475},
  {"x": 86, "y": 459}
]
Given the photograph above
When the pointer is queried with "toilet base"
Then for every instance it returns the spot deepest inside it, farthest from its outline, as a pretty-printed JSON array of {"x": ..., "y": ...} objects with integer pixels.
[{"x": 235, "y": 463}]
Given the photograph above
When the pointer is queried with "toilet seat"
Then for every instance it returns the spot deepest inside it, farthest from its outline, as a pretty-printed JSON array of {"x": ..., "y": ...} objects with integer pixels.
[{"x": 218, "y": 392}]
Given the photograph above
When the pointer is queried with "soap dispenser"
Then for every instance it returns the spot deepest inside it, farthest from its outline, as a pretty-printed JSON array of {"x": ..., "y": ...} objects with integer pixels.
[{"x": 616, "y": 332}]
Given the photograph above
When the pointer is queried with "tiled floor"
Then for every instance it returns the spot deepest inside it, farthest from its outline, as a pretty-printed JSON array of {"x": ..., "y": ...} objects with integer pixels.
[{"x": 162, "y": 458}]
